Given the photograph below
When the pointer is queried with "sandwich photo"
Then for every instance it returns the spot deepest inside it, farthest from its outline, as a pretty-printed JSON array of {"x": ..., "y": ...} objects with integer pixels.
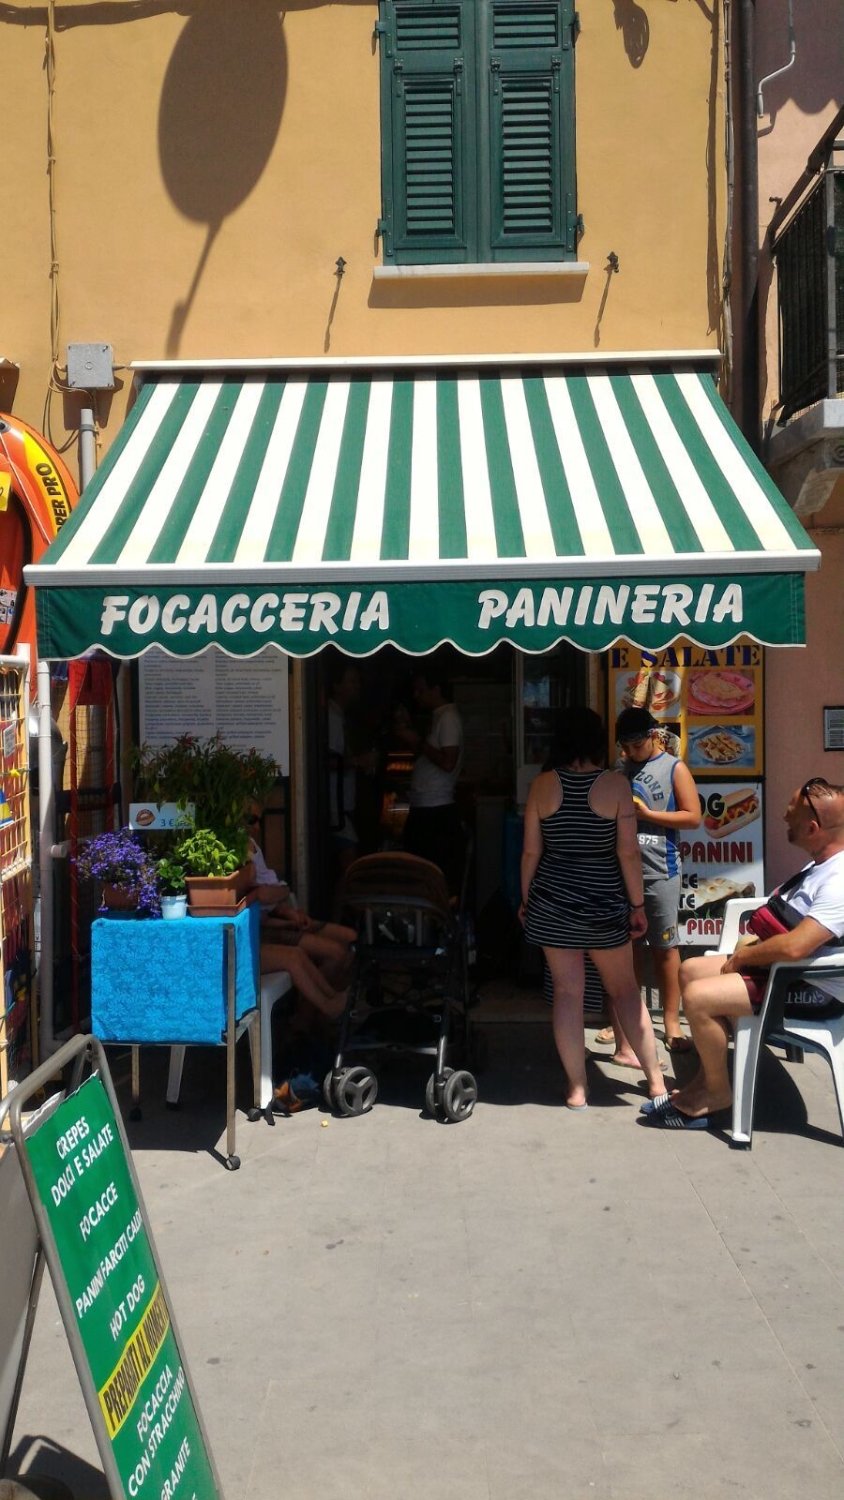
[
  {"x": 144, "y": 817},
  {"x": 740, "y": 807},
  {"x": 712, "y": 895}
]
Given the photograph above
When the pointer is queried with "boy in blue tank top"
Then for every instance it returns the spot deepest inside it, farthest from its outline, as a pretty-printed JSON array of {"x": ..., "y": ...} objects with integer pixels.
[{"x": 666, "y": 801}]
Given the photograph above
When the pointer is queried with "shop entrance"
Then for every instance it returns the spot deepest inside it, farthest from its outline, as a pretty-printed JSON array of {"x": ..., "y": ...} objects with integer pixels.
[{"x": 508, "y": 703}]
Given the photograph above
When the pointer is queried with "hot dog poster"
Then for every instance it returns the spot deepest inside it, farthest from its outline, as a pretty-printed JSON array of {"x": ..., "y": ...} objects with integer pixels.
[
  {"x": 721, "y": 859},
  {"x": 710, "y": 702}
]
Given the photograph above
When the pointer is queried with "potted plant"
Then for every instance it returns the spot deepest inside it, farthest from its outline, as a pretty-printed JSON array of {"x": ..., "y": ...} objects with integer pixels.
[
  {"x": 125, "y": 871},
  {"x": 215, "y": 875},
  {"x": 170, "y": 874},
  {"x": 212, "y": 777}
]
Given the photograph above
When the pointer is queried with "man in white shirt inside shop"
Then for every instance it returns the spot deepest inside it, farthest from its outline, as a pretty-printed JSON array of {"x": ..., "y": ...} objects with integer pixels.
[{"x": 433, "y": 830}]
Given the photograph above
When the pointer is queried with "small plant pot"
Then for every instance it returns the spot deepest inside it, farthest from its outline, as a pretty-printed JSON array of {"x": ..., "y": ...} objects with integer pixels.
[
  {"x": 224, "y": 891},
  {"x": 119, "y": 902},
  {"x": 173, "y": 907}
]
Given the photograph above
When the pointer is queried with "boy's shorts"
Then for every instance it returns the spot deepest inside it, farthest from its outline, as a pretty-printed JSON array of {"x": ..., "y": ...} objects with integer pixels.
[{"x": 662, "y": 901}]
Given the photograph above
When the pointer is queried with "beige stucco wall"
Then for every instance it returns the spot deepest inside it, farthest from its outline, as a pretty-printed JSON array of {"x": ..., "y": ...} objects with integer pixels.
[
  {"x": 211, "y": 168},
  {"x": 798, "y": 109}
]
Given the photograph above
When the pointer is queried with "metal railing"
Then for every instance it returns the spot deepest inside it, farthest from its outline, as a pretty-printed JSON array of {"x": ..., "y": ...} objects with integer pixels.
[{"x": 809, "y": 255}]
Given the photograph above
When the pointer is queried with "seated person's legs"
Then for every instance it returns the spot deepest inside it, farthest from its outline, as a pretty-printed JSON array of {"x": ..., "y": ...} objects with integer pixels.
[
  {"x": 311, "y": 984},
  {"x": 711, "y": 1001}
]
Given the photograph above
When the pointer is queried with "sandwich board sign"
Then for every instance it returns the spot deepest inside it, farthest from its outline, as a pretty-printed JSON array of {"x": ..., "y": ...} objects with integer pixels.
[{"x": 86, "y": 1200}]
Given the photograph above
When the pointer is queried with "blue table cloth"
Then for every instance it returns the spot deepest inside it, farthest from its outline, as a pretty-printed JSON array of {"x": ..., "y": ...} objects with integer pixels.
[{"x": 154, "y": 981}]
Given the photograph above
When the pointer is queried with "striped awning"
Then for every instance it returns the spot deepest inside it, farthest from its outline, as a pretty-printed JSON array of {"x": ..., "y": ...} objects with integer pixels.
[{"x": 301, "y": 507}]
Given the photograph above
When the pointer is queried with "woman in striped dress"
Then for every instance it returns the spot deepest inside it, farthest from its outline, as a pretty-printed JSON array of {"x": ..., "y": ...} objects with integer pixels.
[{"x": 582, "y": 893}]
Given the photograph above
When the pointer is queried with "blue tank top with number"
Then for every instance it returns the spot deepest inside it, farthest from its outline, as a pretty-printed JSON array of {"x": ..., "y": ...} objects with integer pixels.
[{"x": 653, "y": 784}]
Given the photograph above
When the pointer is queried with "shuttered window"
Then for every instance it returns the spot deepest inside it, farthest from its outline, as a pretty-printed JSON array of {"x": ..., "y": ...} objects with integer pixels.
[{"x": 477, "y": 130}]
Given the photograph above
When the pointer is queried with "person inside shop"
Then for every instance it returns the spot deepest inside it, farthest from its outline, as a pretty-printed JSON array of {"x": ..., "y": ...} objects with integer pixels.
[
  {"x": 805, "y": 918},
  {"x": 317, "y": 955},
  {"x": 582, "y": 893},
  {"x": 343, "y": 693},
  {"x": 666, "y": 800},
  {"x": 433, "y": 830}
]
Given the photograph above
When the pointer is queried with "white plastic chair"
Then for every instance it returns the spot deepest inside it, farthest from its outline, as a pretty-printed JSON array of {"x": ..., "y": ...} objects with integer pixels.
[
  {"x": 771, "y": 1026},
  {"x": 273, "y": 986}
]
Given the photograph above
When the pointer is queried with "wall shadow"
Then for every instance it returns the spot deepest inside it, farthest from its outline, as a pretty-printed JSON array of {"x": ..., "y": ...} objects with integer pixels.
[
  {"x": 221, "y": 108},
  {"x": 632, "y": 21}
]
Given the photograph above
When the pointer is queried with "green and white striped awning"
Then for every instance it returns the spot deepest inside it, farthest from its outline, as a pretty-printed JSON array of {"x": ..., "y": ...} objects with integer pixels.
[{"x": 471, "y": 504}]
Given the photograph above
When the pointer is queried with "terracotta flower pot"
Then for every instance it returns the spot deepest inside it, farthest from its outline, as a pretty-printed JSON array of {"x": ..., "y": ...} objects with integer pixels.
[
  {"x": 117, "y": 899},
  {"x": 223, "y": 891}
]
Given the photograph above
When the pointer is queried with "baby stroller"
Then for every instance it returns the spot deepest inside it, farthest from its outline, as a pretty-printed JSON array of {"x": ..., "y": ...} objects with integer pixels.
[{"x": 411, "y": 977}]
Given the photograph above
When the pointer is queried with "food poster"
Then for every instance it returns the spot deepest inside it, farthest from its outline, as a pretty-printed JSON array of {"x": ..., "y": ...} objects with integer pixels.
[
  {"x": 722, "y": 859},
  {"x": 708, "y": 702}
]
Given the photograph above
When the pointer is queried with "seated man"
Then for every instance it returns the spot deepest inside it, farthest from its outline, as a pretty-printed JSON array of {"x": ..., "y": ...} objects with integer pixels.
[{"x": 716, "y": 990}]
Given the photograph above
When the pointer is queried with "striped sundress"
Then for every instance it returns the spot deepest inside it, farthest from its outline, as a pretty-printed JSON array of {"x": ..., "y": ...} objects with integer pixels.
[{"x": 577, "y": 898}]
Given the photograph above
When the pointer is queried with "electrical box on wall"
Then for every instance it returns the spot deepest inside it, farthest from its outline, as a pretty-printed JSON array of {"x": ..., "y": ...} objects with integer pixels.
[{"x": 90, "y": 367}]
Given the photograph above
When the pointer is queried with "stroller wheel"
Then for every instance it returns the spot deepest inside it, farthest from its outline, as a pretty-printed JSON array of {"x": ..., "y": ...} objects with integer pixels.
[
  {"x": 459, "y": 1096},
  {"x": 431, "y": 1092},
  {"x": 328, "y": 1088},
  {"x": 356, "y": 1091}
]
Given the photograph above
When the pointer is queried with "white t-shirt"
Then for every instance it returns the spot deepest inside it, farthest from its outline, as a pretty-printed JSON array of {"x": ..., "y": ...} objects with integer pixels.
[
  {"x": 820, "y": 895},
  {"x": 337, "y": 746},
  {"x": 430, "y": 785}
]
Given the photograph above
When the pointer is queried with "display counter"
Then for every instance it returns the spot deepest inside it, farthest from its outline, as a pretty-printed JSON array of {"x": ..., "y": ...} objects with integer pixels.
[{"x": 194, "y": 982}]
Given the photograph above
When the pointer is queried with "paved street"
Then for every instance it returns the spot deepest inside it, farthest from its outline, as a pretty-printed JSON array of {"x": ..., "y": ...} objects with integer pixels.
[{"x": 534, "y": 1303}]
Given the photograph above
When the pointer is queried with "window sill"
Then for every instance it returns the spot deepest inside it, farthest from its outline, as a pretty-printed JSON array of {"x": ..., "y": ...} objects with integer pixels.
[{"x": 471, "y": 270}]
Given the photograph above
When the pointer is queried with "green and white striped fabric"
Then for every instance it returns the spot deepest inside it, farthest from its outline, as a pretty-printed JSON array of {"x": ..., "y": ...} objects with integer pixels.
[{"x": 277, "y": 479}]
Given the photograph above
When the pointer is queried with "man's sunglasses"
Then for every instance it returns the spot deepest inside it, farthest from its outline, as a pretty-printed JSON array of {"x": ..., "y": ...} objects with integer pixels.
[{"x": 815, "y": 783}]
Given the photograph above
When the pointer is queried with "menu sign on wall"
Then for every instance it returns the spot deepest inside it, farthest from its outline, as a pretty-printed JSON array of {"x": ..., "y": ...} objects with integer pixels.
[
  {"x": 243, "y": 700},
  {"x": 710, "y": 702},
  {"x": 142, "y": 1399},
  {"x": 722, "y": 859}
]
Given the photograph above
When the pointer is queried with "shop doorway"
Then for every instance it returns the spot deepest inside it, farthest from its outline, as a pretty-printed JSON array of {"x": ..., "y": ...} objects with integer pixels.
[{"x": 508, "y": 704}]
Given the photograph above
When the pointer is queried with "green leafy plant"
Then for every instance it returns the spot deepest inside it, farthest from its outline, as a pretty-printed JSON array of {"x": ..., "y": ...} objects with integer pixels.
[
  {"x": 216, "y": 779},
  {"x": 203, "y": 853},
  {"x": 170, "y": 874}
]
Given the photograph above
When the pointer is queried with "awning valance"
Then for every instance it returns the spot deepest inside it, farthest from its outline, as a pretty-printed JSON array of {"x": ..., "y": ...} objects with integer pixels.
[{"x": 354, "y": 507}]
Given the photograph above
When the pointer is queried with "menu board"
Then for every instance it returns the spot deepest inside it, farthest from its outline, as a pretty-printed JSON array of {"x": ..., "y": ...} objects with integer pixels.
[
  {"x": 722, "y": 859},
  {"x": 708, "y": 702},
  {"x": 244, "y": 700}
]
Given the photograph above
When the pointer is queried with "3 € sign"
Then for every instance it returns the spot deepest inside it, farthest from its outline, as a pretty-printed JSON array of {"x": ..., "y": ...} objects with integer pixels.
[{"x": 154, "y": 817}]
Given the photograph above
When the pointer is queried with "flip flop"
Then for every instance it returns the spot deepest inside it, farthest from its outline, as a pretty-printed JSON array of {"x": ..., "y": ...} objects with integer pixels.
[
  {"x": 672, "y": 1119},
  {"x": 656, "y": 1106},
  {"x": 605, "y": 1037},
  {"x": 577, "y": 1107},
  {"x": 678, "y": 1044}
]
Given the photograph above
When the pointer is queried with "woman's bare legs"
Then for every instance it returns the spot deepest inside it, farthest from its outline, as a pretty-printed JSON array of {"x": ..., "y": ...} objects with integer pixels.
[
  {"x": 615, "y": 966},
  {"x": 306, "y": 977},
  {"x": 567, "y": 978}
]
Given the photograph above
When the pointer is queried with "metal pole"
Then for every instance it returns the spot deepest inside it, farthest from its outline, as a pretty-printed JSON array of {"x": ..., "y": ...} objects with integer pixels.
[
  {"x": 87, "y": 446},
  {"x": 46, "y": 838}
]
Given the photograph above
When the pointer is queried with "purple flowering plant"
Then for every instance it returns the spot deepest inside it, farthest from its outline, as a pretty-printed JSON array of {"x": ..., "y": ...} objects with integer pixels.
[{"x": 119, "y": 859}]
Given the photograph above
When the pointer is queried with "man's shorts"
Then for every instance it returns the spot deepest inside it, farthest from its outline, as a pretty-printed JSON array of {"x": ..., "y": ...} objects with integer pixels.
[
  {"x": 662, "y": 900},
  {"x": 804, "y": 1001}
]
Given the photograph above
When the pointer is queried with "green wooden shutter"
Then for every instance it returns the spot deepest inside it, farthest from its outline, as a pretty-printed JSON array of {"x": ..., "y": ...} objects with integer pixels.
[
  {"x": 429, "y": 130},
  {"x": 530, "y": 111}
]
